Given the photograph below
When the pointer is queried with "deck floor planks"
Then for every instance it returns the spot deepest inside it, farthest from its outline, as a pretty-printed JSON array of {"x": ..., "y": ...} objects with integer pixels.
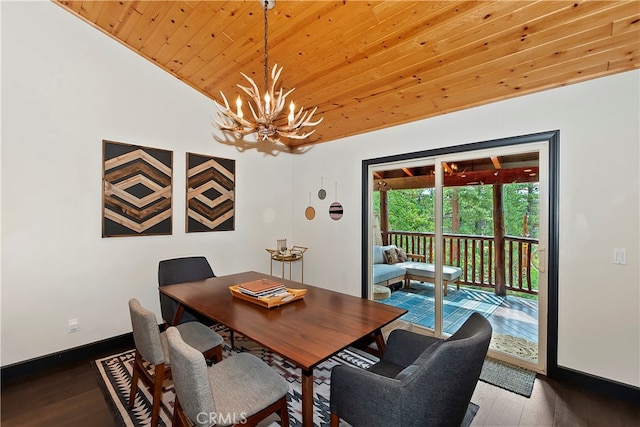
[{"x": 515, "y": 316}]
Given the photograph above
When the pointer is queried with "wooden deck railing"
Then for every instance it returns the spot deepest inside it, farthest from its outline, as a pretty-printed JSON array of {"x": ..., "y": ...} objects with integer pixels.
[{"x": 476, "y": 256}]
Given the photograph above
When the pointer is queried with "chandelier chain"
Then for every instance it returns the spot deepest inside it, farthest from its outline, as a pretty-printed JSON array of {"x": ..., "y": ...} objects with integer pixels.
[{"x": 266, "y": 36}]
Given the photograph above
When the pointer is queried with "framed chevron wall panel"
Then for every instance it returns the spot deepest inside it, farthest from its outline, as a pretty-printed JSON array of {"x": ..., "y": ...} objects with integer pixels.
[
  {"x": 136, "y": 197},
  {"x": 210, "y": 193}
]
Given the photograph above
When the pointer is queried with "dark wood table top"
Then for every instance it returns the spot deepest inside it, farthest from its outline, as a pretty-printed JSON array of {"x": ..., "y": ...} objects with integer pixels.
[{"x": 305, "y": 332}]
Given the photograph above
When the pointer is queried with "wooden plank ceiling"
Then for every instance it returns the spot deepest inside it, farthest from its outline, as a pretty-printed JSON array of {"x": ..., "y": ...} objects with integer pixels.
[{"x": 368, "y": 65}]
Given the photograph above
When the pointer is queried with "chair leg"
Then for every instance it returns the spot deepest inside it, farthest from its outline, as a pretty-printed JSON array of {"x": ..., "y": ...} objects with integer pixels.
[
  {"x": 179, "y": 418},
  {"x": 214, "y": 354},
  {"x": 279, "y": 407},
  {"x": 157, "y": 393},
  {"x": 137, "y": 364},
  {"x": 335, "y": 420},
  {"x": 284, "y": 412}
]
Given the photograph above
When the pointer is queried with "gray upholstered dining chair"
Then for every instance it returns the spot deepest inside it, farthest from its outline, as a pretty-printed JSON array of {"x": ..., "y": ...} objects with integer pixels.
[
  {"x": 151, "y": 346},
  {"x": 241, "y": 389},
  {"x": 420, "y": 380}
]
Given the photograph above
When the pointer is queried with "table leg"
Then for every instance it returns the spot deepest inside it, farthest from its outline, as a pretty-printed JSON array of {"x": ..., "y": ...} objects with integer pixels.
[
  {"x": 380, "y": 341},
  {"x": 307, "y": 398},
  {"x": 177, "y": 315}
]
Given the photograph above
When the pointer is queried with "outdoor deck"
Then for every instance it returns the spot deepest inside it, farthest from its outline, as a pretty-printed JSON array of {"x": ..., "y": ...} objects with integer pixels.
[{"x": 510, "y": 316}]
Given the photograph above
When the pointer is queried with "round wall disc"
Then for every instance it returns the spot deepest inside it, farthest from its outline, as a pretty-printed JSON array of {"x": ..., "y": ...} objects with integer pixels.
[
  {"x": 310, "y": 213},
  {"x": 335, "y": 211}
]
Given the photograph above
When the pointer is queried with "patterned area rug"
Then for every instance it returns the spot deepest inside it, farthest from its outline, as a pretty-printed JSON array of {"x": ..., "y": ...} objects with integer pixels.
[{"x": 114, "y": 377}]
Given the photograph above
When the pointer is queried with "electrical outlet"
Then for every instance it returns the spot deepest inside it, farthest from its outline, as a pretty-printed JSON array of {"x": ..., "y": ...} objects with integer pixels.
[{"x": 73, "y": 325}]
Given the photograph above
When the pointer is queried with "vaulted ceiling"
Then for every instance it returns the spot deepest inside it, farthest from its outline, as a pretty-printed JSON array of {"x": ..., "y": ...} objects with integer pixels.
[{"x": 368, "y": 65}]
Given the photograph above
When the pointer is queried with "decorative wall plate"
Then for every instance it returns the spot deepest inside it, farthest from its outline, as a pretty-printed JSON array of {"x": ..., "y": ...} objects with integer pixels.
[
  {"x": 336, "y": 210},
  {"x": 310, "y": 212},
  {"x": 322, "y": 193}
]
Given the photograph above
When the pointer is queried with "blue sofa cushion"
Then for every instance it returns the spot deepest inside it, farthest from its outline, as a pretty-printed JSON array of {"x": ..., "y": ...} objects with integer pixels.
[
  {"x": 383, "y": 272},
  {"x": 378, "y": 253}
]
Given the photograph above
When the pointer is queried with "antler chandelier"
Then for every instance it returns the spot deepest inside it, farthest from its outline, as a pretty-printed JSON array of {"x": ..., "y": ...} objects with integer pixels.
[{"x": 267, "y": 123}]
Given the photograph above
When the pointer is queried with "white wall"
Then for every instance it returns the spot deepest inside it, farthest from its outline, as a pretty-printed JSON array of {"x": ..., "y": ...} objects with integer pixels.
[
  {"x": 63, "y": 92},
  {"x": 599, "y": 123},
  {"x": 65, "y": 88}
]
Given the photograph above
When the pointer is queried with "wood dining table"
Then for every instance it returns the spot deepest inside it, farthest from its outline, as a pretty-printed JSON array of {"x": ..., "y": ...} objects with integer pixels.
[{"x": 305, "y": 332}]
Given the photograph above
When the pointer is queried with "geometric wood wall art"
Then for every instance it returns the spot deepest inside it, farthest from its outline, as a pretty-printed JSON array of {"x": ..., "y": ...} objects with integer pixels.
[
  {"x": 210, "y": 193},
  {"x": 137, "y": 185}
]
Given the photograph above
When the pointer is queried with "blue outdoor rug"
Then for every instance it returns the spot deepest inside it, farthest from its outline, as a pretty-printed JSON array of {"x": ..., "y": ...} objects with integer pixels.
[{"x": 458, "y": 305}]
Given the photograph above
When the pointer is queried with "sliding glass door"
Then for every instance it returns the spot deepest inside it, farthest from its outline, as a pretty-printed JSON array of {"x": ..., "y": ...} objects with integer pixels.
[{"x": 470, "y": 231}]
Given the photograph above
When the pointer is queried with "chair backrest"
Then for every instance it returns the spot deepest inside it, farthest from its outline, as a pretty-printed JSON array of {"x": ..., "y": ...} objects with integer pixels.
[
  {"x": 190, "y": 379},
  {"x": 180, "y": 270},
  {"x": 440, "y": 388},
  {"x": 145, "y": 333}
]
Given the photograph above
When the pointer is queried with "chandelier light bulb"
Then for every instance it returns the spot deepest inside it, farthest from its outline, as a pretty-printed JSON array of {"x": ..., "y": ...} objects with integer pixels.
[
  {"x": 239, "y": 105},
  {"x": 292, "y": 109},
  {"x": 267, "y": 103}
]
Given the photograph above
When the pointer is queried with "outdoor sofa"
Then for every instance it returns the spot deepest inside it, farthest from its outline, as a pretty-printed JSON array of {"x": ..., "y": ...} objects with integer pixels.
[{"x": 391, "y": 265}]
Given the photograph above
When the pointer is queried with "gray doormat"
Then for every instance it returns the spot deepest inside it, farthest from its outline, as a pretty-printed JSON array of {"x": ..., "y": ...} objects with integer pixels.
[{"x": 508, "y": 377}]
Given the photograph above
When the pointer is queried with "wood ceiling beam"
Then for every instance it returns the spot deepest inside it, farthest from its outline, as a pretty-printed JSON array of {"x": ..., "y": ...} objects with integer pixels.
[
  {"x": 496, "y": 162},
  {"x": 407, "y": 171}
]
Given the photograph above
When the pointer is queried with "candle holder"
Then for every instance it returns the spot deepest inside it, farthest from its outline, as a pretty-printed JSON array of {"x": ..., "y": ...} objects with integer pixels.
[{"x": 281, "y": 245}]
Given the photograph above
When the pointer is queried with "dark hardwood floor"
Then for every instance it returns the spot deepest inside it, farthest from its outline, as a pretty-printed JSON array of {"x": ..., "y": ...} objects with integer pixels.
[{"x": 70, "y": 396}]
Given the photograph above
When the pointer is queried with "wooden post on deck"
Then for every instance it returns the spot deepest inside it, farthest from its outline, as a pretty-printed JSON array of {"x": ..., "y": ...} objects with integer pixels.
[
  {"x": 384, "y": 218},
  {"x": 455, "y": 226},
  {"x": 498, "y": 235}
]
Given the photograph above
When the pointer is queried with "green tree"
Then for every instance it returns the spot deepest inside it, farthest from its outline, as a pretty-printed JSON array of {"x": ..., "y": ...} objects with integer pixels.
[
  {"x": 413, "y": 210},
  {"x": 521, "y": 209}
]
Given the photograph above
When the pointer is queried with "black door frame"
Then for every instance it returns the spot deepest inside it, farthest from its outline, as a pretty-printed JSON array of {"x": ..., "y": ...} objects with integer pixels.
[{"x": 553, "y": 139}]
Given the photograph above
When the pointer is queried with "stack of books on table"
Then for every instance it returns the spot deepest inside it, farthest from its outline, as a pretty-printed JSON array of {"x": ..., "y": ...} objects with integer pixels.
[{"x": 262, "y": 288}]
